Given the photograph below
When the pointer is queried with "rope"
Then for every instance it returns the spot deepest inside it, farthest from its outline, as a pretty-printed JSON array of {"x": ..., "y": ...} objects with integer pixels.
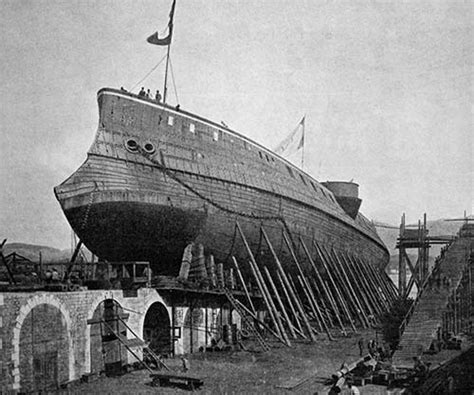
[
  {"x": 173, "y": 176},
  {"x": 146, "y": 76},
  {"x": 174, "y": 84}
]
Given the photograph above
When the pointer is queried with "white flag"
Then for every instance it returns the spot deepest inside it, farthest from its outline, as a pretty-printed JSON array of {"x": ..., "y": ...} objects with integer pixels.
[{"x": 293, "y": 144}]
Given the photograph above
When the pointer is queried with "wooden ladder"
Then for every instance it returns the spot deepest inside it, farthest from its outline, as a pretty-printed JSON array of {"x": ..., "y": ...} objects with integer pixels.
[{"x": 246, "y": 318}]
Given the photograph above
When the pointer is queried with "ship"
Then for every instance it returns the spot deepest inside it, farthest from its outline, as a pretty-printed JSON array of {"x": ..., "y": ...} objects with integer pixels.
[{"x": 158, "y": 178}]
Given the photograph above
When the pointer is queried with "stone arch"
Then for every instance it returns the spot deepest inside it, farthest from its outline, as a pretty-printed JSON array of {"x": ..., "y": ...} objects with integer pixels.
[
  {"x": 52, "y": 304},
  {"x": 157, "y": 328}
]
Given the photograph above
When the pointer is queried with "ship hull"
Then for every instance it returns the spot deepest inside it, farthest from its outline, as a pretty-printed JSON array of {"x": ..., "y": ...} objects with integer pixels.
[{"x": 127, "y": 204}]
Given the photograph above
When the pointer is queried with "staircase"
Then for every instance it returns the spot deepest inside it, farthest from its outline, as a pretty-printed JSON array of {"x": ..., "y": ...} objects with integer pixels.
[
  {"x": 432, "y": 303},
  {"x": 246, "y": 318}
]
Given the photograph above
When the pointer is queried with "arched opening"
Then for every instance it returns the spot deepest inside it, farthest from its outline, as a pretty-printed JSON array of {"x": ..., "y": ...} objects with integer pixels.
[
  {"x": 157, "y": 329},
  {"x": 44, "y": 349},
  {"x": 106, "y": 351}
]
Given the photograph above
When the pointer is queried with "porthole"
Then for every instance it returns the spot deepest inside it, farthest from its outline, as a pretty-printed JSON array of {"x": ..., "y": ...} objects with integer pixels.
[
  {"x": 149, "y": 147},
  {"x": 132, "y": 145}
]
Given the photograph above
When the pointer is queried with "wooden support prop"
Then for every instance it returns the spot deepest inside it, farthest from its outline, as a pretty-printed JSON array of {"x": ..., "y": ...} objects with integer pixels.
[
  {"x": 256, "y": 319},
  {"x": 376, "y": 282},
  {"x": 318, "y": 310},
  {"x": 324, "y": 309},
  {"x": 310, "y": 302},
  {"x": 266, "y": 301},
  {"x": 376, "y": 308},
  {"x": 6, "y": 263},
  {"x": 382, "y": 285},
  {"x": 280, "y": 303},
  {"x": 372, "y": 284},
  {"x": 323, "y": 286},
  {"x": 358, "y": 279},
  {"x": 289, "y": 287},
  {"x": 244, "y": 286},
  {"x": 356, "y": 300},
  {"x": 349, "y": 299},
  {"x": 73, "y": 260},
  {"x": 304, "y": 284},
  {"x": 312, "y": 330},
  {"x": 290, "y": 303},
  {"x": 263, "y": 288},
  {"x": 342, "y": 302},
  {"x": 413, "y": 269}
]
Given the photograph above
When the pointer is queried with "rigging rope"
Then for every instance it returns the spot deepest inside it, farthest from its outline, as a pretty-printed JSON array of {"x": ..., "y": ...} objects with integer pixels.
[
  {"x": 147, "y": 75},
  {"x": 172, "y": 175}
]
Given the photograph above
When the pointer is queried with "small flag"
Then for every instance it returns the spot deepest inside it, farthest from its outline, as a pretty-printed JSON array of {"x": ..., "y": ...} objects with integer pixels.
[
  {"x": 154, "y": 39},
  {"x": 293, "y": 143}
]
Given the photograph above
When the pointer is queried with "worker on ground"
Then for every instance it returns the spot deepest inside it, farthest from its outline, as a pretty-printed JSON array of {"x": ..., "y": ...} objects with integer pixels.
[
  {"x": 148, "y": 94},
  {"x": 360, "y": 343},
  {"x": 185, "y": 364},
  {"x": 353, "y": 389},
  {"x": 142, "y": 92}
]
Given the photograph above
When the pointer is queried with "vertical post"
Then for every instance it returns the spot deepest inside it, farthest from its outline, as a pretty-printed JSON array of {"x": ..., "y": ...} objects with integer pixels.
[
  {"x": 165, "y": 88},
  {"x": 402, "y": 270},
  {"x": 206, "y": 328}
]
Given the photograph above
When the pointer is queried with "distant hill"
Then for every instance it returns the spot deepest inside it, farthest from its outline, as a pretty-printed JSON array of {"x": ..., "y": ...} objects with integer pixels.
[{"x": 32, "y": 252}]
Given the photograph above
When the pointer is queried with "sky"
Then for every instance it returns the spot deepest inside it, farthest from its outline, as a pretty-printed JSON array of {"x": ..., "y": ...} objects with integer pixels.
[{"x": 386, "y": 88}]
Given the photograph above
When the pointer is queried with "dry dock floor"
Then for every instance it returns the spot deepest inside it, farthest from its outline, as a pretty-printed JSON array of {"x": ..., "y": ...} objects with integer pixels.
[{"x": 244, "y": 372}]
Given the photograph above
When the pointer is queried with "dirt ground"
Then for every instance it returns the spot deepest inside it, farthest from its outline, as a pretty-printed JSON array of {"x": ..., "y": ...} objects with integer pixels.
[{"x": 243, "y": 372}]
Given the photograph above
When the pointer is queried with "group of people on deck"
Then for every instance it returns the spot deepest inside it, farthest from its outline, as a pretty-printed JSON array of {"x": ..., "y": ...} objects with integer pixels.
[{"x": 148, "y": 95}]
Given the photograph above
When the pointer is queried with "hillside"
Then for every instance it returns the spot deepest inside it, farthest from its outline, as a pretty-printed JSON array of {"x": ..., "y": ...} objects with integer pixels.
[{"x": 32, "y": 252}]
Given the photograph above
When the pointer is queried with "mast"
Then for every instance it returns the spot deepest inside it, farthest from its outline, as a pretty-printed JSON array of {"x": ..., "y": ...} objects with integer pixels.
[
  {"x": 156, "y": 40},
  {"x": 165, "y": 88},
  {"x": 170, "y": 35}
]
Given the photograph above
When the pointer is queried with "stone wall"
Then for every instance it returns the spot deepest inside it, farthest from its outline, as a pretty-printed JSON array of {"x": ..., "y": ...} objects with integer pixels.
[{"x": 45, "y": 337}]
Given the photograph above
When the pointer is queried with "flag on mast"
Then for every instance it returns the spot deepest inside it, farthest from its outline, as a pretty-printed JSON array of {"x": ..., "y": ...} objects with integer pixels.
[
  {"x": 154, "y": 39},
  {"x": 291, "y": 147}
]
